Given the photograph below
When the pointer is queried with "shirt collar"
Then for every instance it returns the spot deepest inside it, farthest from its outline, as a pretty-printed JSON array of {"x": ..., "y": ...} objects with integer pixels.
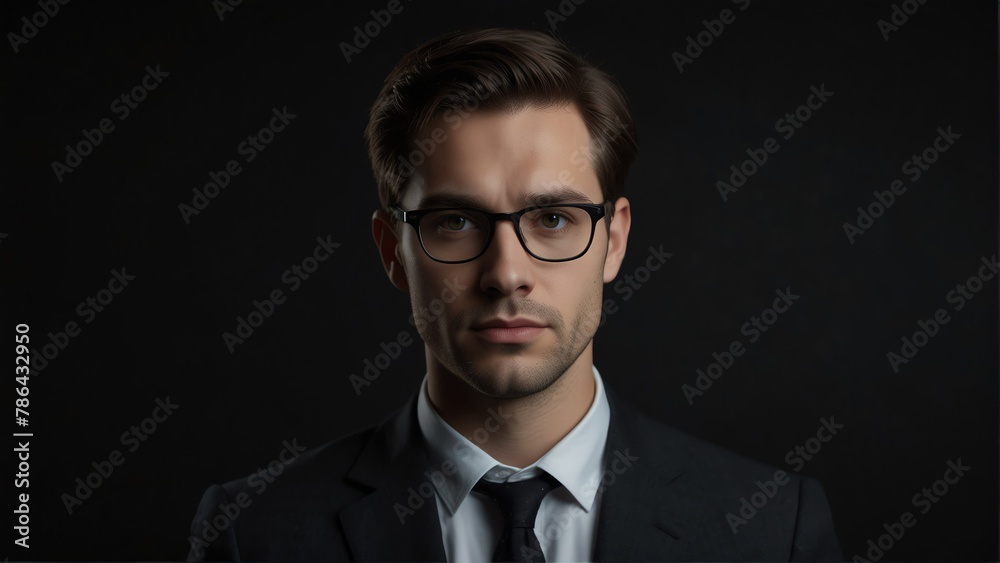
[{"x": 457, "y": 463}]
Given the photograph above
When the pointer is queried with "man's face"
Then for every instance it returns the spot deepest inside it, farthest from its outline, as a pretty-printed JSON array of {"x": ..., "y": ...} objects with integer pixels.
[{"x": 506, "y": 323}]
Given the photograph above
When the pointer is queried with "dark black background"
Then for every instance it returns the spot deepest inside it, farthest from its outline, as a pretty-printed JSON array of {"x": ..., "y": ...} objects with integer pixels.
[{"x": 825, "y": 357}]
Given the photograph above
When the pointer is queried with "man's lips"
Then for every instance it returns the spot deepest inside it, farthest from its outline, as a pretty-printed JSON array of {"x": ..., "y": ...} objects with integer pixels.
[
  {"x": 516, "y": 322},
  {"x": 509, "y": 331}
]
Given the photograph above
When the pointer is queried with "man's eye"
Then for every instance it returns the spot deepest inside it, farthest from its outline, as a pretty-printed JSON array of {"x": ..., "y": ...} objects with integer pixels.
[
  {"x": 454, "y": 222},
  {"x": 552, "y": 220}
]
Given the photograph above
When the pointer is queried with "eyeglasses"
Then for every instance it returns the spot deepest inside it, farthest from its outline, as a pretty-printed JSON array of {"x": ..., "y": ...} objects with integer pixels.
[{"x": 551, "y": 233}]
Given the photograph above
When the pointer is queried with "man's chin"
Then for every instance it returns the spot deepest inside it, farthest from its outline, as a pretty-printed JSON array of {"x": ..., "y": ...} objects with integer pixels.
[{"x": 509, "y": 376}]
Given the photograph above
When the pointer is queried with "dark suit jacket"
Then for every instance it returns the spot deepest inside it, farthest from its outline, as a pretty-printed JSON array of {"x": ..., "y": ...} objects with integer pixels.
[{"x": 341, "y": 502}]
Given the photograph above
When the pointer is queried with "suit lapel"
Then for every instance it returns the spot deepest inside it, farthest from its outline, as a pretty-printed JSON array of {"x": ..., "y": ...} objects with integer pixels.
[
  {"x": 644, "y": 505},
  {"x": 398, "y": 520}
]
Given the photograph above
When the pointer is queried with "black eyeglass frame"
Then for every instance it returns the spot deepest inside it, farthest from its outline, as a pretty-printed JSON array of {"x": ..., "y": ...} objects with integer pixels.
[{"x": 597, "y": 211}]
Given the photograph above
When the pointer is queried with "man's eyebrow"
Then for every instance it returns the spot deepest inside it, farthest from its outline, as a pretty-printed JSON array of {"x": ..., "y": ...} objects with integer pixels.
[
  {"x": 560, "y": 194},
  {"x": 449, "y": 200}
]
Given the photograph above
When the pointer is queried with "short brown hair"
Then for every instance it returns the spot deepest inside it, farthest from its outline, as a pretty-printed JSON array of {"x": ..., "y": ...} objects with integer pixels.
[{"x": 504, "y": 69}]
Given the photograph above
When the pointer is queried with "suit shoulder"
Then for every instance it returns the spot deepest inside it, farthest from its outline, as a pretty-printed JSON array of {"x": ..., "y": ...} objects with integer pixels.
[
  {"x": 745, "y": 505},
  {"x": 296, "y": 466},
  {"x": 266, "y": 515},
  {"x": 669, "y": 445}
]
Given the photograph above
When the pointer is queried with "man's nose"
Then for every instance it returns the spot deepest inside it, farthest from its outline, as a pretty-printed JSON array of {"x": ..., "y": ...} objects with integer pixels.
[{"x": 506, "y": 265}]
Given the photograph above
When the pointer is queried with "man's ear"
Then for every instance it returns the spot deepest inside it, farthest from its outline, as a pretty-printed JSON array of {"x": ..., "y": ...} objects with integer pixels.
[
  {"x": 388, "y": 249},
  {"x": 617, "y": 239}
]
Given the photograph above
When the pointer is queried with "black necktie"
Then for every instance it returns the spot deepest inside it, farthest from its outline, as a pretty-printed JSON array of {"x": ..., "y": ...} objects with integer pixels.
[{"x": 518, "y": 502}]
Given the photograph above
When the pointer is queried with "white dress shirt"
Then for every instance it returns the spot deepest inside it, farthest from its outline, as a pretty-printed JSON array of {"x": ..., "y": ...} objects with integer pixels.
[{"x": 566, "y": 524}]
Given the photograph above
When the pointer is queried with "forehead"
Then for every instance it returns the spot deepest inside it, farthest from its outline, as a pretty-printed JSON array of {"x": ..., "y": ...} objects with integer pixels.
[{"x": 498, "y": 160}]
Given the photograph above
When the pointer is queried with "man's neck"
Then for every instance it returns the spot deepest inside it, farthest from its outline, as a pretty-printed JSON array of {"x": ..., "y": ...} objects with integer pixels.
[{"x": 515, "y": 432}]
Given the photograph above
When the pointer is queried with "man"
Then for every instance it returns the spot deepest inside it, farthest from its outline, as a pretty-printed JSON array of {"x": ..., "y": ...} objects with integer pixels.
[{"x": 500, "y": 158}]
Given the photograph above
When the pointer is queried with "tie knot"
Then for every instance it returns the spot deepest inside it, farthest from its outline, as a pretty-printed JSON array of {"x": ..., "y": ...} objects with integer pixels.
[{"x": 519, "y": 500}]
